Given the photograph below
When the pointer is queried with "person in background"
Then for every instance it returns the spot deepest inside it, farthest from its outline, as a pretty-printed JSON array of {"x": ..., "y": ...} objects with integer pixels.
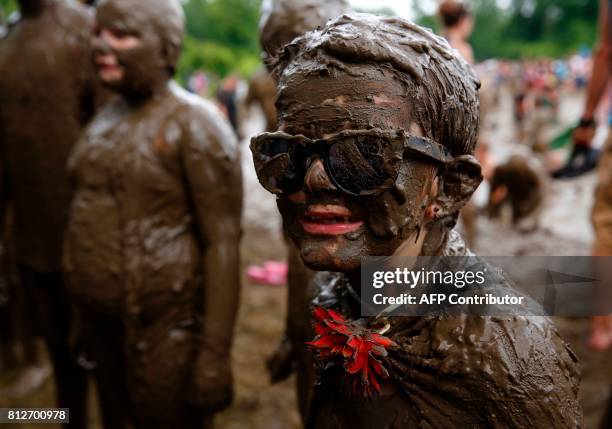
[
  {"x": 152, "y": 245},
  {"x": 48, "y": 96},
  {"x": 584, "y": 157},
  {"x": 226, "y": 98},
  {"x": 592, "y": 338},
  {"x": 457, "y": 26}
]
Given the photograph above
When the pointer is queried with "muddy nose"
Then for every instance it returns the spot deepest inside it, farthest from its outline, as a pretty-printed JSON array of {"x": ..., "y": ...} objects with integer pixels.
[
  {"x": 317, "y": 178},
  {"x": 99, "y": 46}
]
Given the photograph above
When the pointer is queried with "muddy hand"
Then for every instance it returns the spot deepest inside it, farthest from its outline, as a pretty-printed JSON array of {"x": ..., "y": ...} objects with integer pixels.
[
  {"x": 212, "y": 387},
  {"x": 281, "y": 363}
]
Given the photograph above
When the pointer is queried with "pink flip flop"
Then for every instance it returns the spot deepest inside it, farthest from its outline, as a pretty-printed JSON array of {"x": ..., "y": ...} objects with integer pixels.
[{"x": 272, "y": 273}]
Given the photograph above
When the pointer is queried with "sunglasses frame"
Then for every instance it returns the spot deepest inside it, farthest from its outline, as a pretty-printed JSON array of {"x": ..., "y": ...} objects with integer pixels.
[{"x": 399, "y": 140}]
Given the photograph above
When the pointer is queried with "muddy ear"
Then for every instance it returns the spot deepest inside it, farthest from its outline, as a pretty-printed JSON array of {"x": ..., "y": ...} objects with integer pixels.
[{"x": 458, "y": 181}]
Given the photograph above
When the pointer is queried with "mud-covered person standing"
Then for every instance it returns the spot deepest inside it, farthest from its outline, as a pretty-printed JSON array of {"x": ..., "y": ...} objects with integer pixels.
[
  {"x": 152, "y": 248},
  {"x": 47, "y": 95},
  {"x": 378, "y": 119}
]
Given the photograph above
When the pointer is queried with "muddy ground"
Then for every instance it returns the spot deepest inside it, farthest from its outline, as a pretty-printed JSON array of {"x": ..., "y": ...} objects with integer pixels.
[{"x": 564, "y": 230}]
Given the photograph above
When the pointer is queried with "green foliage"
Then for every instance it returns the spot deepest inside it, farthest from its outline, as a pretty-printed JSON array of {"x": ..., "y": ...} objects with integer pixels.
[
  {"x": 222, "y": 37},
  {"x": 215, "y": 57},
  {"x": 6, "y": 8},
  {"x": 229, "y": 22},
  {"x": 529, "y": 28}
]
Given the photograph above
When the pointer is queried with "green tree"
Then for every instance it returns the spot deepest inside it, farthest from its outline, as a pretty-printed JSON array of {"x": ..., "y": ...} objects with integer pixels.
[
  {"x": 222, "y": 36},
  {"x": 6, "y": 8}
]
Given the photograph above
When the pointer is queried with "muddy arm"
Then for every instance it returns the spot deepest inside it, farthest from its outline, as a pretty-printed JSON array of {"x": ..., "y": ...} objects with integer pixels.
[
  {"x": 601, "y": 64},
  {"x": 212, "y": 164}
]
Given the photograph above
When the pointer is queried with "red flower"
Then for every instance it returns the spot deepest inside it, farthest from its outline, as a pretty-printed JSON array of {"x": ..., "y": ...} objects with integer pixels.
[{"x": 358, "y": 347}]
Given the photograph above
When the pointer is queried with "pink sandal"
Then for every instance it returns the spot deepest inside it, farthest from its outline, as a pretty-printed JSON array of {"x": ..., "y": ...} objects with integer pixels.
[{"x": 272, "y": 273}]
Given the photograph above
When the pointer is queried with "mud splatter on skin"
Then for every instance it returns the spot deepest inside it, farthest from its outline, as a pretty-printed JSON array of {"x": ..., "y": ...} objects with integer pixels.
[
  {"x": 48, "y": 95},
  {"x": 153, "y": 240},
  {"x": 354, "y": 58},
  {"x": 455, "y": 371},
  {"x": 362, "y": 71},
  {"x": 376, "y": 95},
  {"x": 282, "y": 21},
  {"x": 160, "y": 31},
  {"x": 368, "y": 97},
  {"x": 441, "y": 85}
]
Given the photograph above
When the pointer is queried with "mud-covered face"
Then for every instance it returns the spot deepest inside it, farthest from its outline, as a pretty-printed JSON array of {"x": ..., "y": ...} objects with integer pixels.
[
  {"x": 334, "y": 229},
  {"x": 107, "y": 64},
  {"x": 128, "y": 54}
]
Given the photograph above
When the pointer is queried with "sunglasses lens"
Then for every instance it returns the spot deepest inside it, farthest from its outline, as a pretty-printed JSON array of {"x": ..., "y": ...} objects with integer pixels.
[
  {"x": 271, "y": 148},
  {"x": 357, "y": 164},
  {"x": 275, "y": 166}
]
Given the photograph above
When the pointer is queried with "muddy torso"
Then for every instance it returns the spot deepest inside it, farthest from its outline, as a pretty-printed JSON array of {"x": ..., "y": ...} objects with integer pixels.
[
  {"x": 131, "y": 239},
  {"x": 45, "y": 101},
  {"x": 390, "y": 410},
  {"x": 452, "y": 372}
]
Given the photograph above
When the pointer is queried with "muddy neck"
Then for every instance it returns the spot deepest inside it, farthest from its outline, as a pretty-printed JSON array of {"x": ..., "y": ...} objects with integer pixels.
[
  {"x": 413, "y": 246},
  {"x": 159, "y": 91}
]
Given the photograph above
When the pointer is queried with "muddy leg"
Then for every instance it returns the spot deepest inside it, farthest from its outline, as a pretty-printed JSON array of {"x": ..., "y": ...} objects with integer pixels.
[
  {"x": 51, "y": 312},
  {"x": 107, "y": 351},
  {"x": 8, "y": 359},
  {"x": 159, "y": 381},
  {"x": 299, "y": 325}
]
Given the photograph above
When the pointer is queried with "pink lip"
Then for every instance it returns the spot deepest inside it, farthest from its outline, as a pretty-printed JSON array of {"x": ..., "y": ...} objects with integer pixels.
[
  {"x": 329, "y": 220},
  {"x": 106, "y": 66}
]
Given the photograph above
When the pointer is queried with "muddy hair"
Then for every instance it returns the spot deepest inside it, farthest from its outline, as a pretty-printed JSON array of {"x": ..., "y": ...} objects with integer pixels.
[{"x": 440, "y": 85}]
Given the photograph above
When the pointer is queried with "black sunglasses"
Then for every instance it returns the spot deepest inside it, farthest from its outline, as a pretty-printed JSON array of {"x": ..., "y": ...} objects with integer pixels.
[{"x": 359, "y": 162}]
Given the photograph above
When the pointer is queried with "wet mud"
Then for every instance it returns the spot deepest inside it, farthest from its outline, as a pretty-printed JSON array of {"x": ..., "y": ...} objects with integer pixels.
[
  {"x": 152, "y": 245},
  {"x": 48, "y": 95},
  {"x": 321, "y": 93}
]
